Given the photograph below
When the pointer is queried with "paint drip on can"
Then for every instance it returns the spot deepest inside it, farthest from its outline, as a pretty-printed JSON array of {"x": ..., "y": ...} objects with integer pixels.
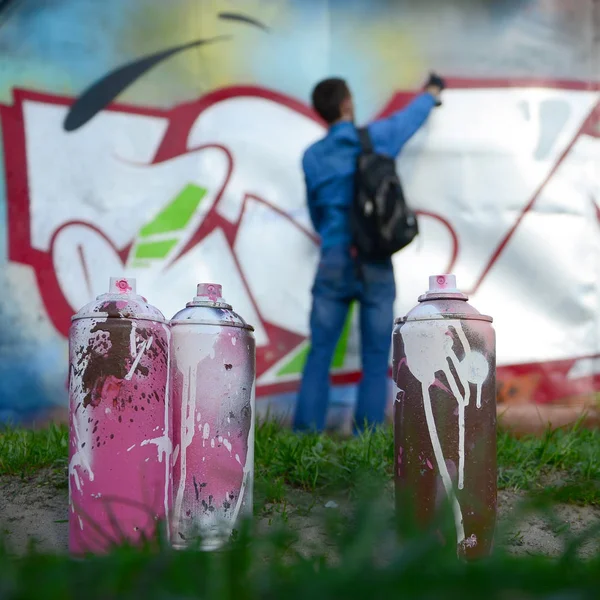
[
  {"x": 444, "y": 365},
  {"x": 119, "y": 446},
  {"x": 213, "y": 358}
]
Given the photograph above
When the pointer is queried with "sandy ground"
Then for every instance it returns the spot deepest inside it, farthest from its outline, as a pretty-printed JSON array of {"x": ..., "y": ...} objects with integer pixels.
[{"x": 35, "y": 509}]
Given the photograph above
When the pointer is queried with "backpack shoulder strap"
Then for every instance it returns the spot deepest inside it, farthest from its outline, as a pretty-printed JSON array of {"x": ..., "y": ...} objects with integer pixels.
[{"x": 365, "y": 140}]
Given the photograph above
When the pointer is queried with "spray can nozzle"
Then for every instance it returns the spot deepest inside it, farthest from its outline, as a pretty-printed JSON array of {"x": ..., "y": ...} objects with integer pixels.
[
  {"x": 122, "y": 285},
  {"x": 442, "y": 286},
  {"x": 442, "y": 283}
]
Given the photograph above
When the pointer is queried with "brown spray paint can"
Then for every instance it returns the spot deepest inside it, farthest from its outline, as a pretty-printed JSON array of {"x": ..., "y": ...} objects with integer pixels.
[{"x": 444, "y": 365}]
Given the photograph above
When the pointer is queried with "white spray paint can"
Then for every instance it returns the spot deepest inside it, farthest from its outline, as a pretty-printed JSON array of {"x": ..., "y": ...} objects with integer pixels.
[
  {"x": 444, "y": 364},
  {"x": 213, "y": 368}
]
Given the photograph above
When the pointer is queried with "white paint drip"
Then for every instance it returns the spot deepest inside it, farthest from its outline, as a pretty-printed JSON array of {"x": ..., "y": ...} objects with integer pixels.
[
  {"x": 175, "y": 454},
  {"x": 163, "y": 446},
  {"x": 132, "y": 339},
  {"x": 461, "y": 419},
  {"x": 130, "y": 448},
  {"x": 441, "y": 463},
  {"x": 233, "y": 340},
  {"x": 82, "y": 457},
  {"x": 478, "y": 371},
  {"x": 136, "y": 362},
  {"x": 212, "y": 443},
  {"x": 206, "y": 431},
  {"x": 80, "y": 523},
  {"x": 474, "y": 368},
  {"x": 249, "y": 464},
  {"x": 76, "y": 478},
  {"x": 187, "y": 432},
  {"x": 227, "y": 444},
  {"x": 167, "y": 434}
]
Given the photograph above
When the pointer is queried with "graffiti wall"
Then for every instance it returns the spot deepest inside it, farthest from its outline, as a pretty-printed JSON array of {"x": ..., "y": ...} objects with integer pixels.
[{"x": 163, "y": 141}]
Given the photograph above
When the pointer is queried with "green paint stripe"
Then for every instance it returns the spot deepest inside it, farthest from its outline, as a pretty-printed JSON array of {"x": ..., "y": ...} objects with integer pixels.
[
  {"x": 154, "y": 249},
  {"x": 339, "y": 356},
  {"x": 296, "y": 364},
  {"x": 176, "y": 215}
]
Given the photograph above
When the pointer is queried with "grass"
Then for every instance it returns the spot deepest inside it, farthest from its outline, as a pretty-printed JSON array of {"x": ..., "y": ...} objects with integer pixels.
[
  {"x": 370, "y": 562},
  {"x": 24, "y": 451},
  {"x": 368, "y": 559},
  {"x": 564, "y": 464},
  {"x": 310, "y": 462}
]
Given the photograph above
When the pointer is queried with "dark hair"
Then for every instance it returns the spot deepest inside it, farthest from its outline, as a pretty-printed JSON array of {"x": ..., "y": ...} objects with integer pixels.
[{"x": 327, "y": 98}]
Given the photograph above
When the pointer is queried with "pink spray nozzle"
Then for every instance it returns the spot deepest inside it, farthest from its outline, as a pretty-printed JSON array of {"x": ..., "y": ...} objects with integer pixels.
[
  {"x": 212, "y": 291},
  {"x": 442, "y": 286},
  {"x": 446, "y": 283},
  {"x": 122, "y": 285}
]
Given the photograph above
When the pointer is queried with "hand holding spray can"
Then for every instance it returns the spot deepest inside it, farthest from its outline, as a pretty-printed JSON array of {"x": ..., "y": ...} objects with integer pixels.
[
  {"x": 119, "y": 447},
  {"x": 444, "y": 364},
  {"x": 212, "y": 394}
]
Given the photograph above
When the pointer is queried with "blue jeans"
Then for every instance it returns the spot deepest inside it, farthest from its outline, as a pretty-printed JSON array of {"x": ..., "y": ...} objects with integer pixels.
[{"x": 341, "y": 279}]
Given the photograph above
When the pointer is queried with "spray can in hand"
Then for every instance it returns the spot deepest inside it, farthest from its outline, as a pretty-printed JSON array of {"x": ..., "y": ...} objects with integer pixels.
[
  {"x": 213, "y": 370},
  {"x": 119, "y": 446},
  {"x": 444, "y": 365}
]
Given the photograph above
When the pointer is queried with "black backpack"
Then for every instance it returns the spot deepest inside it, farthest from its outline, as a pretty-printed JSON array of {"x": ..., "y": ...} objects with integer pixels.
[{"x": 380, "y": 219}]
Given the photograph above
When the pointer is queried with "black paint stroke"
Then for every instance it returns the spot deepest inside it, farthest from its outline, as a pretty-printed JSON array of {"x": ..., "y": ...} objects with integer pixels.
[
  {"x": 228, "y": 16},
  {"x": 104, "y": 91},
  {"x": 4, "y": 4}
]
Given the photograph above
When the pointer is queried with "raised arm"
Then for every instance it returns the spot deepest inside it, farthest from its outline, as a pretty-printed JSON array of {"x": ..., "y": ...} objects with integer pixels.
[{"x": 391, "y": 133}]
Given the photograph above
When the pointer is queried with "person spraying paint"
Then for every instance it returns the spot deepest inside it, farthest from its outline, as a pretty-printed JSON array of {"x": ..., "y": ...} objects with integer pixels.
[{"x": 357, "y": 207}]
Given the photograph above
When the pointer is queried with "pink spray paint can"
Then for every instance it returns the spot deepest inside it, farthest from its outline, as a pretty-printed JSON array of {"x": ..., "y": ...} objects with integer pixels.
[
  {"x": 444, "y": 364},
  {"x": 119, "y": 447},
  {"x": 213, "y": 372}
]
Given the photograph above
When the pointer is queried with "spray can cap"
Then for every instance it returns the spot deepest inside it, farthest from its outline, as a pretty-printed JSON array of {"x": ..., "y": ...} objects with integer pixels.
[
  {"x": 442, "y": 286},
  {"x": 209, "y": 292},
  {"x": 443, "y": 283},
  {"x": 209, "y": 308},
  {"x": 122, "y": 285},
  {"x": 120, "y": 302}
]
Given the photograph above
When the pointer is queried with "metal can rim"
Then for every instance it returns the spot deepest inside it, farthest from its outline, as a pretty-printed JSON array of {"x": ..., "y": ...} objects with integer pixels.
[
  {"x": 224, "y": 305},
  {"x": 214, "y": 323},
  {"x": 107, "y": 316},
  {"x": 446, "y": 316}
]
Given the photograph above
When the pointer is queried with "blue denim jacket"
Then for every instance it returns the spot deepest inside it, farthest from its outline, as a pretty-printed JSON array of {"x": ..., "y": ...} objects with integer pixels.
[{"x": 329, "y": 166}]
